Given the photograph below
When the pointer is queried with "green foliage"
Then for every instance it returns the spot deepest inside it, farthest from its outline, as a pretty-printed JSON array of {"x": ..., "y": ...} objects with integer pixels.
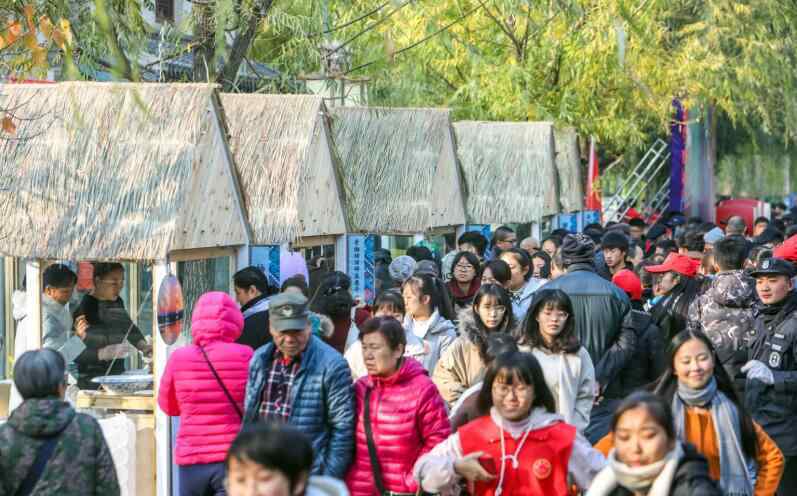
[{"x": 608, "y": 67}]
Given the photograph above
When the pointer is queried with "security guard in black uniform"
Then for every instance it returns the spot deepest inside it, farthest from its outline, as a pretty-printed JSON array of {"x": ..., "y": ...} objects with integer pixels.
[{"x": 771, "y": 389}]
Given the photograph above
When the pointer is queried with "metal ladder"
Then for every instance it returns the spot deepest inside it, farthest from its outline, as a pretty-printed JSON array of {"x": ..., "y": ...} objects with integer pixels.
[
  {"x": 659, "y": 201},
  {"x": 638, "y": 181}
]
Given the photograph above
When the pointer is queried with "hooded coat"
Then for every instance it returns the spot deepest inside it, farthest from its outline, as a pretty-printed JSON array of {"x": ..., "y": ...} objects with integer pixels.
[
  {"x": 408, "y": 419},
  {"x": 81, "y": 462},
  {"x": 461, "y": 366},
  {"x": 725, "y": 314},
  {"x": 188, "y": 389}
]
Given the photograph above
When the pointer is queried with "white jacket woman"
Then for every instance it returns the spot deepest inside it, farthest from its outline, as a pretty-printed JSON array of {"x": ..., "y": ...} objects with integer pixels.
[{"x": 549, "y": 333}]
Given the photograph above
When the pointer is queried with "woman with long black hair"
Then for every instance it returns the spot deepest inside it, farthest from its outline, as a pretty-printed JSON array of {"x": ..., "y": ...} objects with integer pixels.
[
  {"x": 462, "y": 365},
  {"x": 549, "y": 332},
  {"x": 709, "y": 415}
]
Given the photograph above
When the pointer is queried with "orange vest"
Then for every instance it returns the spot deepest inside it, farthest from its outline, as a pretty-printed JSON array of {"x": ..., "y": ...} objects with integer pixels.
[{"x": 543, "y": 460}]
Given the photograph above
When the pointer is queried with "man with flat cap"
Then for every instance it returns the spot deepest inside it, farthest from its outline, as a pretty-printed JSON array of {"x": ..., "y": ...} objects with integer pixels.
[
  {"x": 771, "y": 387},
  {"x": 300, "y": 380}
]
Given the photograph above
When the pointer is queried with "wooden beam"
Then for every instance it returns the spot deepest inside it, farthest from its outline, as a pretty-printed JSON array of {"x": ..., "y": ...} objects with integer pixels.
[
  {"x": 33, "y": 329},
  {"x": 310, "y": 241},
  {"x": 200, "y": 254}
]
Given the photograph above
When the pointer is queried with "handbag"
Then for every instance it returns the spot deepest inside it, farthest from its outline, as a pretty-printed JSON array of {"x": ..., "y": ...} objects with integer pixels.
[
  {"x": 375, "y": 467},
  {"x": 43, "y": 455},
  {"x": 221, "y": 383}
]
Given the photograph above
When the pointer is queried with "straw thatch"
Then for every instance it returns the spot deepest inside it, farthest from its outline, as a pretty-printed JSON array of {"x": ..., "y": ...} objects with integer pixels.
[
  {"x": 508, "y": 169},
  {"x": 282, "y": 154},
  {"x": 568, "y": 164},
  {"x": 398, "y": 169},
  {"x": 115, "y": 171}
]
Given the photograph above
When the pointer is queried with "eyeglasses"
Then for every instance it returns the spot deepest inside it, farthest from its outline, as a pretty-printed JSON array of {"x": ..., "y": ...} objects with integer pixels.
[
  {"x": 464, "y": 268},
  {"x": 495, "y": 309},
  {"x": 502, "y": 390}
]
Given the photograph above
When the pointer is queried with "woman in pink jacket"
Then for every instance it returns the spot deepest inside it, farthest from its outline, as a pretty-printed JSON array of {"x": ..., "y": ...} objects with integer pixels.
[
  {"x": 400, "y": 414},
  {"x": 204, "y": 384}
]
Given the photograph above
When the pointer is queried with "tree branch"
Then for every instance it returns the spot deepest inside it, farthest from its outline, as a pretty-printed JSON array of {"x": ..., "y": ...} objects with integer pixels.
[{"x": 240, "y": 47}]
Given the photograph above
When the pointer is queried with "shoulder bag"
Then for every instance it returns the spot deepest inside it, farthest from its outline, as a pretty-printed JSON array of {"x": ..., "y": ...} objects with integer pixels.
[{"x": 223, "y": 387}]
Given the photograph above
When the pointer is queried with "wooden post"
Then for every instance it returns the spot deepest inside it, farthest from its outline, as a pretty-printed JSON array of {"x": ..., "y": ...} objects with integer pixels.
[
  {"x": 342, "y": 254},
  {"x": 242, "y": 257},
  {"x": 160, "y": 350},
  {"x": 33, "y": 278}
]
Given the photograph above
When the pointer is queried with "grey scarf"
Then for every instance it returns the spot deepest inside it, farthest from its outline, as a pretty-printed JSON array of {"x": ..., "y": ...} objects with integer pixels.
[{"x": 735, "y": 480}]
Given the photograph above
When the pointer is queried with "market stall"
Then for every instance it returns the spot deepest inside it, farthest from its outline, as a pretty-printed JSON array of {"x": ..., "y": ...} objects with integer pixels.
[
  {"x": 282, "y": 150},
  {"x": 139, "y": 173},
  {"x": 509, "y": 171},
  {"x": 568, "y": 166},
  {"x": 400, "y": 177}
]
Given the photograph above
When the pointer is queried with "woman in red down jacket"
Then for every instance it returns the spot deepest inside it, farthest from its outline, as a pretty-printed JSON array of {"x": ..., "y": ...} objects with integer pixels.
[
  {"x": 407, "y": 414},
  {"x": 209, "y": 421}
]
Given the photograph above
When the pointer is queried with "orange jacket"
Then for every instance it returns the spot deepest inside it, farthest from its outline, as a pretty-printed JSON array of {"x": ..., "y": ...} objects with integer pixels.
[{"x": 700, "y": 432}]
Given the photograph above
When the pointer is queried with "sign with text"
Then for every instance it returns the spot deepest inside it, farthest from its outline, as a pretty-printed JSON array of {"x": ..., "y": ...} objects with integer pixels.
[
  {"x": 361, "y": 266},
  {"x": 267, "y": 259}
]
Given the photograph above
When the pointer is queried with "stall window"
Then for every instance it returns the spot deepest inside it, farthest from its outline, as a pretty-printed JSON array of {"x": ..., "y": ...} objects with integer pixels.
[{"x": 198, "y": 277}]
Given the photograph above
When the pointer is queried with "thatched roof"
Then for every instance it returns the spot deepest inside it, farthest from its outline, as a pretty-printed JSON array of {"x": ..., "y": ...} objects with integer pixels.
[
  {"x": 398, "y": 169},
  {"x": 115, "y": 171},
  {"x": 281, "y": 150},
  {"x": 508, "y": 169},
  {"x": 568, "y": 163}
]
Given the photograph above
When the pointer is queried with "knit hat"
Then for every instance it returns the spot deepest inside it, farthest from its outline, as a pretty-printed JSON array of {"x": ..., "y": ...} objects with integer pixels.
[
  {"x": 629, "y": 282},
  {"x": 714, "y": 236},
  {"x": 577, "y": 248},
  {"x": 427, "y": 267},
  {"x": 401, "y": 268}
]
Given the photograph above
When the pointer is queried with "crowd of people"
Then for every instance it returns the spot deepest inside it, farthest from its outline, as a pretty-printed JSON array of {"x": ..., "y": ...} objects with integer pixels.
[{"x": 629, "y": 359}]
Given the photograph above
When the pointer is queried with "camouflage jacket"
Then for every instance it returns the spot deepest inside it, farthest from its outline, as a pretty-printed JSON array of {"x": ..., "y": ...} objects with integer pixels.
[
  {"x": 724, "y": 312},
  {"x": 81, "y": 463}
]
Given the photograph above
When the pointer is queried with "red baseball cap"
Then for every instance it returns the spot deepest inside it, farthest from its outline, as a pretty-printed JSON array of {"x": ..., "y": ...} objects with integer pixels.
[
  {"x": 788, "y": 250},
  {"x": 628, "y": 281},
  {"x": 675, "y": 262}
]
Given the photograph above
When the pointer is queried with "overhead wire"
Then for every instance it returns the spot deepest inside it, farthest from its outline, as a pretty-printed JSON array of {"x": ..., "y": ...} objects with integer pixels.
[{"x": 422, "y": 40}]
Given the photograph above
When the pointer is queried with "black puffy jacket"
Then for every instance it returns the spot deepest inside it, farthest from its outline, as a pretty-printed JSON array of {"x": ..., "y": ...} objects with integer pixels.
[
  {"x": 691, "y": 477},
  {"x": 647, "y": 364},
  {"x": 600, "y": 310},
  {"x": 774, "y": 406}
]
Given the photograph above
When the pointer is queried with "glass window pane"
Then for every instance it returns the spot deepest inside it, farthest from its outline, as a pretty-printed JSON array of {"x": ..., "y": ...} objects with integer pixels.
[{"x": 198, "y": 277}]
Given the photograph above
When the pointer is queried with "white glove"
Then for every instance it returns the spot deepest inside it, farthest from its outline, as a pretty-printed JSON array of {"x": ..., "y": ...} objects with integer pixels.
[
  {"x": 113, "y": 351},
  {"x": 759, "y": 371}
]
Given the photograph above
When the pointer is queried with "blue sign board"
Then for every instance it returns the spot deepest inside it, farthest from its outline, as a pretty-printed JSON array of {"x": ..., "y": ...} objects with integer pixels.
[
  {"x": 360, "y": 265},
  {"x": 267, "y": 259}
]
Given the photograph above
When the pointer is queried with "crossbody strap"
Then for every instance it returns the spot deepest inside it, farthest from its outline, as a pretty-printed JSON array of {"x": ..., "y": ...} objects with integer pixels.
[
  {"x": 221, "y": 383},
  {"x": 43, "y": 455},
  {"x": 369, "y": 436}
]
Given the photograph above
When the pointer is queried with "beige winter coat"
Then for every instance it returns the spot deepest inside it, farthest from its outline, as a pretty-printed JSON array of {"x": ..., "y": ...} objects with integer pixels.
[{"x": 461, "y": 365}]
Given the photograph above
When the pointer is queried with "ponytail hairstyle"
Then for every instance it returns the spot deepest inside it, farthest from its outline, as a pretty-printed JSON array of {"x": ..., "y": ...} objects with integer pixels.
[{"x": 427, "y": 285}]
